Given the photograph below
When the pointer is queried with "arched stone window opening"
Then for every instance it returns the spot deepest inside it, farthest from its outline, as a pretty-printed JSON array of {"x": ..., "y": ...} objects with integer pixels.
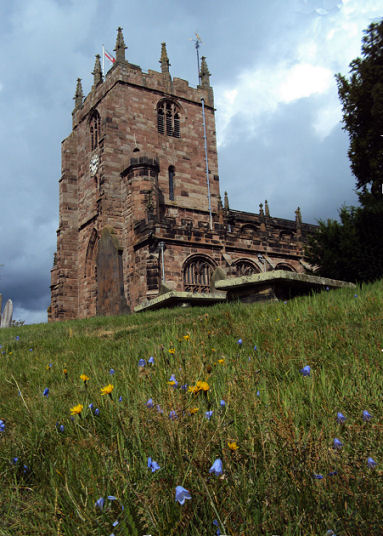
[
  {"x": 284, "y": 266},
  {"x": 94, "y": 127},
  {"x": 168, "y": 119},
  {"x": 245, "y": 267},
  {"x": 90, "y": 259},
  {"x": 197, "y": 275},
  {"x": 171, "y": 182}
]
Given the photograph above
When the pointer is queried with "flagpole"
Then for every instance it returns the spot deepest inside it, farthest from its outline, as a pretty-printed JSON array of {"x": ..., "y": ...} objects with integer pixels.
[{"x": 103, "y": 61}]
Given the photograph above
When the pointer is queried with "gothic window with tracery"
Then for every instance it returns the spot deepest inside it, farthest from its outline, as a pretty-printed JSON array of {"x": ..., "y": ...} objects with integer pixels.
[
  {"x": 168, "y": 119},
  {"x": 94, "y": 127},
  {"x": 245, "y": 268},
  {"x": 197, "y": 275},
  {"x": 283, "y": 266}
]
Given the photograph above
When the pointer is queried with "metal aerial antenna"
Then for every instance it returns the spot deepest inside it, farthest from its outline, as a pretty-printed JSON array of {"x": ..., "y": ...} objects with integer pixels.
[{"x": 197, "y": 42}]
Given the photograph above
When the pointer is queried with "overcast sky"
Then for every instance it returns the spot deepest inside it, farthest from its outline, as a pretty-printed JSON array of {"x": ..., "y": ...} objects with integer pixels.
[{"x": 278, "y": 114}]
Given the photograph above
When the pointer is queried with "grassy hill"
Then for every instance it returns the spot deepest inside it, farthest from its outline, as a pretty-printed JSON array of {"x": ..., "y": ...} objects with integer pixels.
[{"x": 271, "y": 426}]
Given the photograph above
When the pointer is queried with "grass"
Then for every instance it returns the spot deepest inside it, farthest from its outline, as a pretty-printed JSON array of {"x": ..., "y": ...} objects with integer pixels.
[{"x": 283, "y": 423}]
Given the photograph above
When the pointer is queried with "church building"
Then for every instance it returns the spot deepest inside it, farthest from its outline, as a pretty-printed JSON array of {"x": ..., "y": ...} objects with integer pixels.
[{"x": 140, "y": 209}]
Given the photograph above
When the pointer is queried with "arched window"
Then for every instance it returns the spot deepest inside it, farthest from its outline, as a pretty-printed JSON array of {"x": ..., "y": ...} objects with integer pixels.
[
  {"x": 171, "y": 183},
  {"x": 284, "y": 266},
  {"x": 168, "y": 119},
  {"x": 94, "y": 127},
  {"x": 197, "y": 274},
  {"x": 244, "y": 267}
]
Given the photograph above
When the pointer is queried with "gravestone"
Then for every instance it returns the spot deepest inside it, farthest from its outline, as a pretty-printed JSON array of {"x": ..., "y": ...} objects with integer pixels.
[{"x": 6, "y": 317}]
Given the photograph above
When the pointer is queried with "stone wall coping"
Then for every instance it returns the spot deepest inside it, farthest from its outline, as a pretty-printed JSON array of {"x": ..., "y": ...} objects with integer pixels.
[
  {"x": 174, "y": 297},
  {"x": 280, "y": 275}
]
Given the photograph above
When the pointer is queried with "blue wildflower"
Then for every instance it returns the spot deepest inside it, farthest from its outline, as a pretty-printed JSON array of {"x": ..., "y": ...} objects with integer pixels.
[
  {"x": 149, "y": 403},
  {"x": 222, "y": 403},
  {"x": 366, "y": 415},
  {"x": 184, "y": 387},
  {"x": 208, "y": 414},
  {"x": 31, "y": 349},
  {"x": 239, "y": 341},
  {"x": 371, "y": 462},
  {"x": 216, "y": 468},
  {"x": 327, "y": 288},
  {"x": 17, "y": 338},
  {"x": 332, "y": 473},
  {"x": 91, "y": 406},
  {"x": 112, "y": 498},
  {"x": 15, "y": 460},
  {"x": 318, "y": 476},
  {"x": 255, "y": 348},
  {"x": 115, "y": 523},
  {"x": 151, "y": 360},
  {"x": 153, "y": 465},
  {"x": 120, "y": 399},
  {"x": 25, "y": 468},
  {"x": 97, "y": 411},
  {"x": 46, "y": 392},
  {"x": 258, "y": 393},
  {"x": 330, "y": 533},
  {"x": 100, "y": 503},
  {"x": 182, "y": 494},
  {"x": 305, "y": 371},
  {"x": 340, "y": 417},
  {"x": 159, "y": 409},
  {"x": 355, "y": 295},
  {"x": 173, "y": 415},
  {"x": 337, "y": 443},
  {"x": 141, "y": 363},
  {"x": 112, "y": 371},
  {"x": 2, "y": 425}
]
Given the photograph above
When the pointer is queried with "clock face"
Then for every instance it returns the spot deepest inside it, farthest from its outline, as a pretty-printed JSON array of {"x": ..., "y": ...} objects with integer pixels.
[{"x": 93, "y": 164}]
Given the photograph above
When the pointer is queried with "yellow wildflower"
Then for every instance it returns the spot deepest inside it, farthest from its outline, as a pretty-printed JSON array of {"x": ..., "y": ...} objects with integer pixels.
[
  {"x": 187, "y": 337},
  {"x": 193, "y": 389},
  {"x": 202, "y": 386},
  {"x": 213, "y": 349},
  {"x": 221, "y": 361},
  {"x": 193, "y": 410},
  {"x": 76, "y": 410},
  {"x": 84, "y": 378},
  {"x": 172, "y": 350},
  {"x": 172, "y": 383},
  {"x": 233, "y": 445},
  {"x": 107, "y": 389}
]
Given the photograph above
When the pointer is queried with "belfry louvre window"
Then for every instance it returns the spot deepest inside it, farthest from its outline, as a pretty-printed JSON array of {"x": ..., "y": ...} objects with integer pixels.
[
  {"x": 168, "y": 119},
  {"x": 197, "y": 275},
  {"x": 94, "y": 130}
]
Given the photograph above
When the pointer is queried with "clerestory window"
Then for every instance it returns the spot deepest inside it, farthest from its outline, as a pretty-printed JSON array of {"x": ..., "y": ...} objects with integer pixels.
[{"x": 168, "y": 119}]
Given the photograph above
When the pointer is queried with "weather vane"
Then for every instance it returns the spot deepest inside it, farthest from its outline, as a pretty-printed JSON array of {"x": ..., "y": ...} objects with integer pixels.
[{"x": 197, "y": 42}]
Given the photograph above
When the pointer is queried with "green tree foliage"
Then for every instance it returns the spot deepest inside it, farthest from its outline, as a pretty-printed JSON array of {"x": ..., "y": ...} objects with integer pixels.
[
  {"x": 353, "y": 249},
  {"x": 362, "y": 104}
]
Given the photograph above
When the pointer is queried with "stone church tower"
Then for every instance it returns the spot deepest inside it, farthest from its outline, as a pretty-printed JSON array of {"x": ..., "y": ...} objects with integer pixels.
[{"x": 140, "y": 205}]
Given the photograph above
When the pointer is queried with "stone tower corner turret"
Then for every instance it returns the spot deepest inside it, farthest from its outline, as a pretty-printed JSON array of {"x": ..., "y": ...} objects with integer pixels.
[
  {"x": 120, "y": 46},
  {"x": 79, "y": 95},
  {"x": 164, "y": 59},
  {"x": 97, "y": 72},
  {"x": 204, "y": 73}
]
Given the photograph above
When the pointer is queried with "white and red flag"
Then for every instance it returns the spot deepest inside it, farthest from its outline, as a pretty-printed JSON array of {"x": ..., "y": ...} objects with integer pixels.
[{"x": 109, "y": 56}]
